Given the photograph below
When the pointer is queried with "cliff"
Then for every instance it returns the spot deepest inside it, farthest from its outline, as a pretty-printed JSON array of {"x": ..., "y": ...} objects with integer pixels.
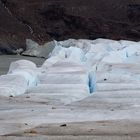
[{"x": 45, "y": 20}]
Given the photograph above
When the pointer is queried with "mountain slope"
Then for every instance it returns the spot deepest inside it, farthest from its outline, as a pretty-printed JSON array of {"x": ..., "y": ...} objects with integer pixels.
[{"x": 45, "y": 20}]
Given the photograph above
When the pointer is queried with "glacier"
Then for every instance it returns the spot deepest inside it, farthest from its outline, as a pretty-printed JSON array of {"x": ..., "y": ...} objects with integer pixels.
[{"x": 73, "y": 68}]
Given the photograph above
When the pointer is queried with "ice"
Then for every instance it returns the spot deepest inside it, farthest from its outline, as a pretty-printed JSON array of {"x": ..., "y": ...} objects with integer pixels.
[
  {"x": 58, "y": 51},
  {"x": 25, "y": 68},
  {"x": 127, "y": 43},
  {"x": 117, "y": 87},
  {"x": 64, "y": 74},
  {"x": 115, "y": 57},
  {"x": 75, "y": 54},
  {"x": 92, "y": 82},
  {"x": 116, "y": 77},
  {"x": 51, "y": 61},
  {"x": 21, "y": 64},
  {"x": 134, "y": 59},
  {"x": 12, "y": 85},
  {"x": 68, "y": 53},
  {"x": 68, "y": 43},
  {"x": 78, "y": 67},
  {"x": 58, "y": 54},
  {"x": 133, "y": 50},
  {"x": 93, "y": 60},
  {"x": 34, "y": 49},
  {"x": 22, "y": 74},
  {"x": 74, "y": 78},
  {"x": 109, "y": 44},
  {"x": 66, "y": 78},
  {"x": 104, "y": 41},
  {"x": 105, "y": 74}
]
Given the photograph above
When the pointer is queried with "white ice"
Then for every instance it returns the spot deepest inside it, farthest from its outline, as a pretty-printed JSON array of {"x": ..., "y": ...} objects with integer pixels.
[
  {"x": 74, "y": 68},
  {"x": 22, "y": 74}
]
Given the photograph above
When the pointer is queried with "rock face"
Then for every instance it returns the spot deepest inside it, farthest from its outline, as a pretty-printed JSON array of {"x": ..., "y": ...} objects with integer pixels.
[
  {"x": 44, "y": 20},
  {"x": 12, "y": 32}
]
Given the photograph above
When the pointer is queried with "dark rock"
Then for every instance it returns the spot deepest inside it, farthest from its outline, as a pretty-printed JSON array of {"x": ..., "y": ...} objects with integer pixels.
[
  {"x": 45, "y": 20},
  {"x": 12, "y": 32},
  {"x": 105, "y": 79},
  {"x": 63, "y": 125}
]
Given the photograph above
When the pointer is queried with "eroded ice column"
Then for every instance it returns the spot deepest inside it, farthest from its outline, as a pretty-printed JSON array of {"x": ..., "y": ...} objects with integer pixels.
[
  {"x": 64, "y": 76},
  {"x": 66, "y": 80},
  {"x": 21, "y": 75}
]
